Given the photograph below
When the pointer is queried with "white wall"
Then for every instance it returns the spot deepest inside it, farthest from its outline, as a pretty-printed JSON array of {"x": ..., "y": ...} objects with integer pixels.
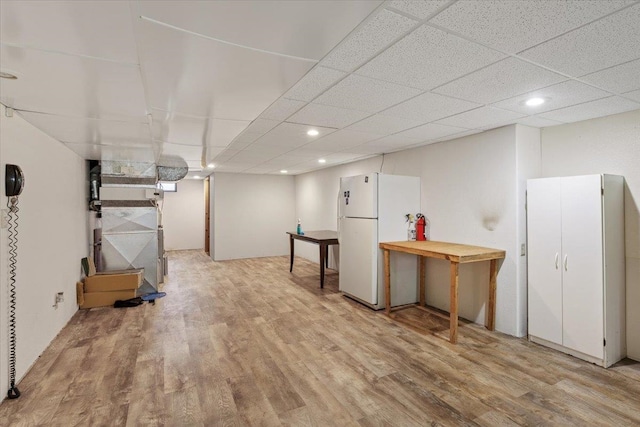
[
  {"x": 251, "y": 215},
  {"x": 469, "y": 195},
  {"x": 183, "y": 216},
  {"x": 53, "y": 237},
  {"x": 606, "y": 145}
]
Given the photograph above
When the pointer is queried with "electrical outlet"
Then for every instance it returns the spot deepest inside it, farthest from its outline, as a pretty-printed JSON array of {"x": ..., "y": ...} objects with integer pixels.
[{"x": 5, "y": 218}]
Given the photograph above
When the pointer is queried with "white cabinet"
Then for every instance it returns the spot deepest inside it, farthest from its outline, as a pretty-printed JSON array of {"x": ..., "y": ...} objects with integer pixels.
[{"x": 576, "y": 282}]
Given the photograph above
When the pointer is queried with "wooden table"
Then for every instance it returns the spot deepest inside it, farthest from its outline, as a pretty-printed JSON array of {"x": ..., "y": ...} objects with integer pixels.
[
  {"x": 455, "y": 253},
  {"x": 322, "y": 238}
]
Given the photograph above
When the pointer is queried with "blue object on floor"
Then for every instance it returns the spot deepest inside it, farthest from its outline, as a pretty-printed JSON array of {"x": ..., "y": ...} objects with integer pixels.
[{"x": 153, "y": 296}]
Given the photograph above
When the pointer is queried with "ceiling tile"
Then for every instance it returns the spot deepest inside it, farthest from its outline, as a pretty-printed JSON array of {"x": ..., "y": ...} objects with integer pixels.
[
  {"x": 337, "y": 158},
  {"x": 367, "y": 40},
  {"x": 244, "y": 140},
  {"x": 314, "y": 83},
  {"x": 428, "y": 107},
  {"x": 342, "y": 140},
  {"x": 282, "y": 109},
  {"x": 365, "y": 94},
  {"x": 187, "y": 153},
  {"x": 308, "y": 153},
  {"x": 303, "y": 29},
  {"x": 512, "y": 26},
  {"x": 100, "y": 29},
  {"x": 328, "y": 116},
  {"x": 419, "y": 9},
  {"x": 619, "y": 79},
  {"x": 430, "y": 131},
  {"x": 179, "y": 69},
  {"x": 557, "y": 96},
  {"x": 200, "y": 131},
  {"x": 267, "y": 151},
  {"x": 225, "y": 155},
  {"x": 235, "y": 166},
  {"x": 222, "y": 132},
  {"x": 480, "y": 118},
  {"x": 261, "y": 126},
  {"x": 113, "y": 152},
  {"x": 635, "y": 95},
  {"x": 537, "y": 122},
  {"x": 71, "y": 85},
  {"x": 427, "y": 58},
  {"x": 252, "y": 157},
  {"x": 610, "y": 41},
  {"x": 179, "y": 129},
  {"x": 593, "y": 109},
  {"x": 384, "y": 125},
  {"x": 90, "y": 131},
  {"x": 499, "y": 81},
  {"x": 290, "y": 135},
  {"x": 457, "y": 135},
  {"x": 394, "y": 141},
  {"x": 261, "y": 170}
]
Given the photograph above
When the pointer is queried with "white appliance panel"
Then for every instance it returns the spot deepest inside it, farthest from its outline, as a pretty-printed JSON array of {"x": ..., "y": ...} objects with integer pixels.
[
  {"x": 583, "y": 293},
  {"x": 358, "y": 256},
  {"x": 545, "y": 259},
  {"x": 359, "y": 196}
]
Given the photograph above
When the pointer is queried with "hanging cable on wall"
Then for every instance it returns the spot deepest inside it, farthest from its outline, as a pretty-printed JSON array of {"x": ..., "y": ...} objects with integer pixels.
[
  {"x": 14, "y": 182},
  {"x": 12, "y": 204}
]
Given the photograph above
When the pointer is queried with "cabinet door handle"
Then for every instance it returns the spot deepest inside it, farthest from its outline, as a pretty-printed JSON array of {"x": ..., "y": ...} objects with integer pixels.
[
  {"x": 565, "y": 262},
  {"x": 557, "y": 258}
]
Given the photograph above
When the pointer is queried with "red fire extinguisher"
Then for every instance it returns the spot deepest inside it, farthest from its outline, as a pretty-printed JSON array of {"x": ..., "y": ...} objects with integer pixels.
[{"x": 420, "y": 227}]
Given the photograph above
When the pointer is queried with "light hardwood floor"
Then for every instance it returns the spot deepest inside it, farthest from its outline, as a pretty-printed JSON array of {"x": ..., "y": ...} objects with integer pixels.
[{"x": 247, "y": 343}]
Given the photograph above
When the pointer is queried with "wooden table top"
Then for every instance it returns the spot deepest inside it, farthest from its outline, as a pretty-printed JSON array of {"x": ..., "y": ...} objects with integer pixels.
[
  {"x": 316, "y": 236},
  {"x": 444, "y": 250}
]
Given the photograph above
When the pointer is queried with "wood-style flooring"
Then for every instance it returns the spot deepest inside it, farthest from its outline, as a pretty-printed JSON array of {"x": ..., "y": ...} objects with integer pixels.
[{"x": 246, "y": 342}]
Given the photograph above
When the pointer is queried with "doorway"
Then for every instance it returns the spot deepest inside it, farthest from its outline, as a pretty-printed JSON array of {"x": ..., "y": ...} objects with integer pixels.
[{"x": 207, "y": 210}]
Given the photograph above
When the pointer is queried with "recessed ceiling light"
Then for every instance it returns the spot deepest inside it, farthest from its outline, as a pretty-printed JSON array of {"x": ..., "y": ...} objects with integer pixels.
[
  {"x": 283, "y": 171},
  {"x": 211, "y": 165},
  {"x": 322, "y": 161},
  {"x": 534, "y": 102},
  {"x": 312, "y": 132},
  {"x": 6, "y": 75},
  {"x": 196, "y": 177}
]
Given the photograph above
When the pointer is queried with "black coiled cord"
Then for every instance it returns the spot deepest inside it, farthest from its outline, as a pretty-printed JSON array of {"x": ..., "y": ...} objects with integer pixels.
[{"x": 12, "y": 204}]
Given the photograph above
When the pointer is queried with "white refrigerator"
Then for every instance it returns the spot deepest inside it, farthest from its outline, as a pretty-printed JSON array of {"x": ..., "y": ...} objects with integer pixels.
[{"x": 372, "y": 209}]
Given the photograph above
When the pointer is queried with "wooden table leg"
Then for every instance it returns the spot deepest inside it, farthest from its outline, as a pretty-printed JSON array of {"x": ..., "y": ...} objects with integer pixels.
[
  {"x": 387, "y": 282},
  {"x": 291, "y": 249},
  {"x": 453, "y": 304},
  {"x": 323, "y": 251},
  {"x": 490, "y": 322},
  {"x": 422, "y": 260},
  {"x": 326, "y": 256}
]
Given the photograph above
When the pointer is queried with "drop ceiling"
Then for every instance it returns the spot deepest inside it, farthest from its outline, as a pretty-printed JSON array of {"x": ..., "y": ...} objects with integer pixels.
[{"x": 237, "y": 84}]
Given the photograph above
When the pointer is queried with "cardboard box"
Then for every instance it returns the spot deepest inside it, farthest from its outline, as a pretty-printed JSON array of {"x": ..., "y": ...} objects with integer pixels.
[{"x": 110, "y": 281}]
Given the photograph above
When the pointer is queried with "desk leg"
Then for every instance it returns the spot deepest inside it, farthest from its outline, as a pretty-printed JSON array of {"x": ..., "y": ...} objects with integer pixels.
[
  {"x": 326, "y": 256},
  {"x": 491, "y": 310},
  {"x": 387, "y": 282},
  {"x": 291, "y": 249},
  {"x": 453, "y": 304},
  {"x": 423, "y": 299},
  {"x": 323, "y": 251}
]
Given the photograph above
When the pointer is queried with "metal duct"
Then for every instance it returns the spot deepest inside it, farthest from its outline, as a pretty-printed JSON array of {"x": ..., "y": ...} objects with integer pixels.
[{"x": 172, "y": 168}]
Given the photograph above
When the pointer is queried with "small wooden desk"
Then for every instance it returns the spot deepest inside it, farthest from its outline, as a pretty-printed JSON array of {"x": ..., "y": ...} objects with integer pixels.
[
  {"x": 323, "y": 238},
  {"x": 457, "y": 254}
]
